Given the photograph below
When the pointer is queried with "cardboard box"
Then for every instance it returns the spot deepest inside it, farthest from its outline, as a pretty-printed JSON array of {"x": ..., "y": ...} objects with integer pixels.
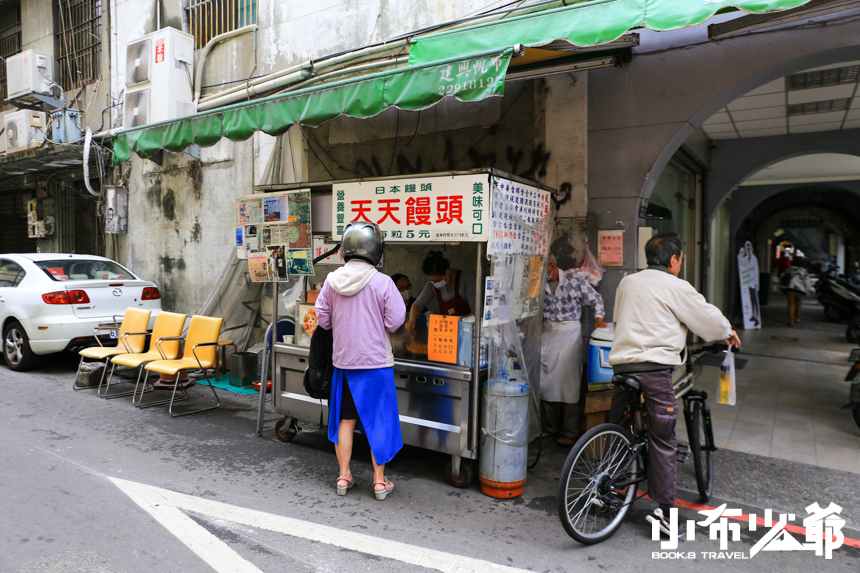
[
  {"x": 594, "y": 409},
  {"x": 598, "y": 401}
]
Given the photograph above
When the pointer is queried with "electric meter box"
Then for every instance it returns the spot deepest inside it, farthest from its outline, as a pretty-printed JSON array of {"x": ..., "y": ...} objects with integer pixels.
[
  {"x": 29, "y": 72},
  {"x": 116, "y": 210}
]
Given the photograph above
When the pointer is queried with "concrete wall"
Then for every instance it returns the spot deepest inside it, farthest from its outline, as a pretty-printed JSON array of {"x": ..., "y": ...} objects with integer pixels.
[
  {"x": 640, "y": 114},
  {"x": 294, "y": 31},
  {"x": 180, "y": 234},
  {"x": 537, "y": 130}
]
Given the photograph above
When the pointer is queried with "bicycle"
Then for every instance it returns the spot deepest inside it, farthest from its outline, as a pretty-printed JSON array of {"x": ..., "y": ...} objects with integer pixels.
[{"x": 599, "y": 478}]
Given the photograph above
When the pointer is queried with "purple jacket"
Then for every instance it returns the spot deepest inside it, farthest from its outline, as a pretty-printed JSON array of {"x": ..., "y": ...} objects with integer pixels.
[{"x": 361, "y": 306}]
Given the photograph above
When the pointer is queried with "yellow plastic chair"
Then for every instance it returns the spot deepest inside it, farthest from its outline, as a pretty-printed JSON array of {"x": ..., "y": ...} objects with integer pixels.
[
  {"x": 167, "y": 325},
  {"x": 199, "y": 353},
  {"x": 134, "y": 321}
]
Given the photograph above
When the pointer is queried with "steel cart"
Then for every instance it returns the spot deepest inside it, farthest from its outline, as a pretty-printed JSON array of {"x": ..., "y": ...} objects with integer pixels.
[{"x": 438, "y": 403}]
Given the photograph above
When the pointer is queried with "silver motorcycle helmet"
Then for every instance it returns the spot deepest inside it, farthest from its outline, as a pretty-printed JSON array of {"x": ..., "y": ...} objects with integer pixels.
[{"x": 362, "y": 240}]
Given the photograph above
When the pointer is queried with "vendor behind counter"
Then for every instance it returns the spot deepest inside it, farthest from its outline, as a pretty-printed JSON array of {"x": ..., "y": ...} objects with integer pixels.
[{"x": 453, "y": 289}]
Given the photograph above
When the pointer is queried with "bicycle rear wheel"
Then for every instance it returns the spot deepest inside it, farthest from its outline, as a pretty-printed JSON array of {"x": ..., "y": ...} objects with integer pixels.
[
  {"x": 591, "y": 506},
  {"x": 700, "y": 449}
]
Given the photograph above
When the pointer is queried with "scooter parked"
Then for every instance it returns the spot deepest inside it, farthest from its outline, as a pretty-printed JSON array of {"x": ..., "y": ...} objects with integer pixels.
[
  {"x": 853, "y": 376},
  {"x": 839, "y": 296}
]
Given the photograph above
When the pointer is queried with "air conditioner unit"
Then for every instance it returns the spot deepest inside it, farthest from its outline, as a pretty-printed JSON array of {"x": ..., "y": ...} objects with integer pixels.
[
  {"x": 158, "y": 73},
  {"x": 29, "y": 71},
  {"x": 24, "y": 129}
]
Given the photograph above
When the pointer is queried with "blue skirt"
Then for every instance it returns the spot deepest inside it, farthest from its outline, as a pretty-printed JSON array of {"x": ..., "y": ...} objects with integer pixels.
[{"x": 375, "y": 399}]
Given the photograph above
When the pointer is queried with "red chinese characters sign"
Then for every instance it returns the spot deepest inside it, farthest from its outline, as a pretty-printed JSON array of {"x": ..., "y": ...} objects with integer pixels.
[
  {"x": 450, "y": 208},
  {"x": 610, "y": 248}
]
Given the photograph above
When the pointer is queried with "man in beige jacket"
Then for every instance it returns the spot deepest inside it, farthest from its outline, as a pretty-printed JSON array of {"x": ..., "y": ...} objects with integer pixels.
[{"x": 653, "y": 311}]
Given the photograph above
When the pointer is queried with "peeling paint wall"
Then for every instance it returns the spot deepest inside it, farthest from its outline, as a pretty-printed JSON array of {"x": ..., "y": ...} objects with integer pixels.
[
  {"x": 294, "y": 31},
  {"x": 178, "y": 237},
  {"x": 537, "y": 130}
]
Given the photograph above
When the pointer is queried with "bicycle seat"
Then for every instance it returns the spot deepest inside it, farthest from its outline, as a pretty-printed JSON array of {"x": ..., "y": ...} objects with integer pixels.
[{"x": 628, "y": 382}]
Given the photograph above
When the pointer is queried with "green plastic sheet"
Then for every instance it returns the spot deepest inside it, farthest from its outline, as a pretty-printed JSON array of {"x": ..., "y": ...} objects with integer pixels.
[
  {"x": 583, "y": 24},
  {"x": 468, "y": 78}
]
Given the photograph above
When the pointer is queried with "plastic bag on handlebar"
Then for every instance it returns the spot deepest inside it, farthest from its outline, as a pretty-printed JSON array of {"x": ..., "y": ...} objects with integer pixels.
[{"x": 727, "y": 379}]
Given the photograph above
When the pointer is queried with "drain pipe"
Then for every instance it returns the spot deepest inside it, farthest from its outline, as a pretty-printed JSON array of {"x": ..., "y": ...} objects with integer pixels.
[
  {"x": 198, "y": 76},
  {"x": 292, "y": 82},
  {"x": 314, "y": 66},
  {"x": 254, "y": 90}
]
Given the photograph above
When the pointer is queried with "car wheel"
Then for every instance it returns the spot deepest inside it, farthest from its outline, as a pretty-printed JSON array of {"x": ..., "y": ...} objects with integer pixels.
[{"x": 16, "y": 347}]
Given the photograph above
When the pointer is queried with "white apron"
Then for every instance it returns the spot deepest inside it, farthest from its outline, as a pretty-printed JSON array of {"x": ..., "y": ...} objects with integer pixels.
[{"x": 561, "y": 361}]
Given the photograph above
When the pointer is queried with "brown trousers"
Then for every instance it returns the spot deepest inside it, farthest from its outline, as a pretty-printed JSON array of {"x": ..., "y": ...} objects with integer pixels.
[
  {"x": 559, "y": 418},
  {"x": 662, "y": 411},
  {"x": 795, "y": 302}
]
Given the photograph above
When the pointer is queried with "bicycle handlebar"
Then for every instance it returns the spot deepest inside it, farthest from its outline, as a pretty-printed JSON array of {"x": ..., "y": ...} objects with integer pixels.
[{"x": 712, "y": 348}]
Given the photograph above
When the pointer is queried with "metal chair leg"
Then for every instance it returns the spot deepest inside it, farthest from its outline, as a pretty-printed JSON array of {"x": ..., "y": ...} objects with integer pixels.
[
  {"x": 110, "y": 376},
  {"x": 78, "y": 373},
  {"x": 121, "y": 394},
  {"x": 183, "y": 394},
  {"x": 176, "y": 385},
  {"x": 134, "y": 399}
]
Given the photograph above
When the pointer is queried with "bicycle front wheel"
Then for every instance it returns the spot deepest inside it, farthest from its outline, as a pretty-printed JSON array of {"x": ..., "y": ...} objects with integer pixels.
[
  {"x": 701, "y": 450},
  {"x": 594, "y": 491}
]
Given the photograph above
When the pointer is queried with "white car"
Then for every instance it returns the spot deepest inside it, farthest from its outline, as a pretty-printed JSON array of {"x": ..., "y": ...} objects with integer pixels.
[{"x": 52, "y": 302}]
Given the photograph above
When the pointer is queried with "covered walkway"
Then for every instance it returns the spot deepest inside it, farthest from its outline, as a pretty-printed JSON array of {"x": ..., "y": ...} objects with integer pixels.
[{"x": 790, "y": 392}]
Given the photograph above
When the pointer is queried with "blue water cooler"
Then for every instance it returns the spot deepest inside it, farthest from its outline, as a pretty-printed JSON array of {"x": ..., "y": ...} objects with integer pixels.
[{"x": 599, "y": 370}]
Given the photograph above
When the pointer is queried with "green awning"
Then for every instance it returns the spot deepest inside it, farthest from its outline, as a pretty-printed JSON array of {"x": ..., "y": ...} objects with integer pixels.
[
  {"x": 583, "y": 24},
  {"x": 468, "y": 78}
]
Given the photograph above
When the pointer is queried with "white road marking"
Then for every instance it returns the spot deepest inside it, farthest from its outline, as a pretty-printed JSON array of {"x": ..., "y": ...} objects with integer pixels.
[{"x": 165, "y": 506}]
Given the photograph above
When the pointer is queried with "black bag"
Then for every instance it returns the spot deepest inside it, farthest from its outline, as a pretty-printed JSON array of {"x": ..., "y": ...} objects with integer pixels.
[
  {"x": 320, "y": 368},
  {"x": 785, "y": 279}
]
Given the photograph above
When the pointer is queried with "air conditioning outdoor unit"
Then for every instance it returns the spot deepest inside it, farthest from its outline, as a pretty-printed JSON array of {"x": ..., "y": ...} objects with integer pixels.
[
  {"x": 29, "y": 72},
  {"x": 158, "y": 72},
  {"x": 24, "y": 129}
]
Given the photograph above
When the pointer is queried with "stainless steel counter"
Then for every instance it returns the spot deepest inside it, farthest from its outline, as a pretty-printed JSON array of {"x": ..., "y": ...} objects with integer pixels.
[{"x": 434, "y": 400}]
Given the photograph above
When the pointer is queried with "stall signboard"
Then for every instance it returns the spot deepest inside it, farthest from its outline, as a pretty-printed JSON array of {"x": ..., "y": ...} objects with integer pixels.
[
  {"x": 420, "y": 209},
  {"x": 519, "y": 219},
  {"x": 321, "y": 247},
  {"x": 442, "y": 341}
]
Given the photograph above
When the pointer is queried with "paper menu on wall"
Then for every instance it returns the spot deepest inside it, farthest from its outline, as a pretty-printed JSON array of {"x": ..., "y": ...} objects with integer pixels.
[
  {"x": 443, "y": 338},
  {"x": 300, "y": 261},
  {"x": 274, "y": 208},
  {"x": 274, "y": 234},
  {"x": 251, "y": 239},
  {"x": 258, "y": 267},
  {"x": 299, "y": 208},
  {"x": 249, "y": 210},
  {"x": 610, "y": 248},
  {"x": 496, "y": 299}
]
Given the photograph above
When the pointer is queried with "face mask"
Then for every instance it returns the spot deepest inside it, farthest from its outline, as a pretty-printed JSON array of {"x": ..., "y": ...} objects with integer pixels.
[
  {"x": 440, "y": 284},
  {"x": 407, "y": 294},
  {"x": 548, "y": 278}
]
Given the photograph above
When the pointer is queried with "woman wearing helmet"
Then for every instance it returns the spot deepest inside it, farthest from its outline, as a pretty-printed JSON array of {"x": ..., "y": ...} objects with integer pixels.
[
  {"x": 453, "y": 289},
  {"x": 362, "y": 306}
]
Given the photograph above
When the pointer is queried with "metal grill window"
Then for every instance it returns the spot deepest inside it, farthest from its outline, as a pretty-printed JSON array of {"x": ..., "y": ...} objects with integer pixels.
[
  {"x": 818, "y": 107},
  {"x": 823, "y": 78},
  {"x": 80, "y": 27},
  {"x": 10, "y": 42},
  {"x": 210, "y": 18}
]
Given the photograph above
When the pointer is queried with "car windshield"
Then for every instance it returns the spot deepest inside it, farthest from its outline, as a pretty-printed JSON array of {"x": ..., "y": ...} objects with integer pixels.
[{"x": 83, "y": 270}]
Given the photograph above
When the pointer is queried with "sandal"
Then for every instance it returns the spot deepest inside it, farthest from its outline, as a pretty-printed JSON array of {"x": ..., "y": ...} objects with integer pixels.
[
  {"x": 566, "y": 442},
  {"x": 349, "y": 483},
  {"x": 383, "y": 493}
]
